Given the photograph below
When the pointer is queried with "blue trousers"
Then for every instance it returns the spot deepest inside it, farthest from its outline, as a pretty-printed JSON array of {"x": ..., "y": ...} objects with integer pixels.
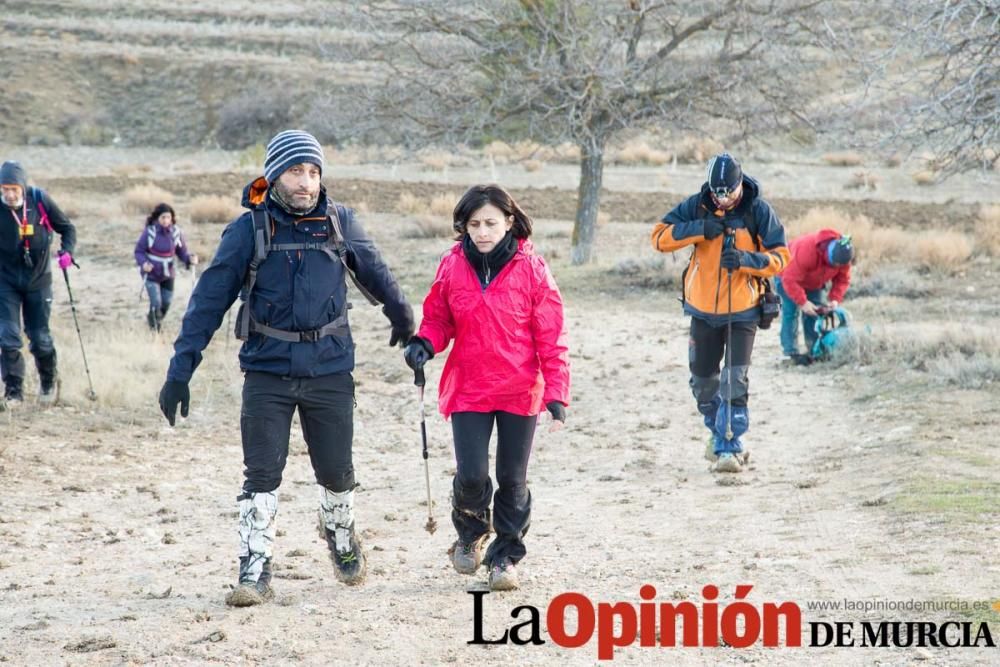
[
  {"x": 36, "y": 306},
  {"x": 790, "y": 315}
]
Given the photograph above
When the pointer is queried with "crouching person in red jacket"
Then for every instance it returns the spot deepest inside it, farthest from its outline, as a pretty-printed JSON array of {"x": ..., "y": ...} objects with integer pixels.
[
  {"x": 499, "y": 303},
  {"x": 818, "y": 259}
]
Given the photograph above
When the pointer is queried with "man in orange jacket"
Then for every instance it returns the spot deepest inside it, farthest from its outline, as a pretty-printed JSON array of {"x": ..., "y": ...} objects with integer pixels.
[
  {"x": 738, "y": 241},
  {"x": 817, "y": 259}
]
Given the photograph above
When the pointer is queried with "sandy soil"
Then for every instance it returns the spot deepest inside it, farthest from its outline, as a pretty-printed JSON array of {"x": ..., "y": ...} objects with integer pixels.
[{"x": 119, "y": 535}]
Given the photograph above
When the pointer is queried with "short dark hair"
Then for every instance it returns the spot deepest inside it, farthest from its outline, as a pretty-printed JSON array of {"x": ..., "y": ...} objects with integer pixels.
[
  {"x": 159, "y": 210},
  {"x": 479, "y": 196}
]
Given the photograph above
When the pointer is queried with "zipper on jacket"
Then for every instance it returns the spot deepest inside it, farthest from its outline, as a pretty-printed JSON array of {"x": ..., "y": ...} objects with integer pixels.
[
  {"x": 690, "y": 281},
  {"x": 486, "y": 272}
]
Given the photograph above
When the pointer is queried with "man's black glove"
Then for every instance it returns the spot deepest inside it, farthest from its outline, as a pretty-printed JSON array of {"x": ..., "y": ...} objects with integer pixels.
[
  {"x": 713, "y": 227},
  {"x": 557, "y": 410},
  {"x": 400, "y": 334},
  {"x": 731, "y": 259},
  {"x": 174, "y": 392},
  {"x": 417, "y": 352}
]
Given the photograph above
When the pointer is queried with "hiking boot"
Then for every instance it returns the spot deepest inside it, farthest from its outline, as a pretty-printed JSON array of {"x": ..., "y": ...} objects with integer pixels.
[
  {"x": 336, "y": 525},
  {"x": 503, "y": 576},
  {"x": 351, "y": 566},
  {"x": 467, "y": 556},
  {"x": 710, "y": 449},
  {"x": 727, "y": 462},
  {"x": 257, "y": 532},
  {"x": 249, "y": 592},
  {"x": 731, "y": 461},
  {"x": 48, "y": 392},
  {"x": 13, "y": 396}
]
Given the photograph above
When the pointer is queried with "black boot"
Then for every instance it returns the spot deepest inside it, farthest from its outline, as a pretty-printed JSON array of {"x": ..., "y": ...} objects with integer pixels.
[{"x": 48, "y": 390}]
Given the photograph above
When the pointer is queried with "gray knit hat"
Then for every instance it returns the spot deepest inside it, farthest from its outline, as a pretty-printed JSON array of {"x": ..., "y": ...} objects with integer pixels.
[
  {"x": 289, "y": 148},
  {"x": 12, "y": 173}
]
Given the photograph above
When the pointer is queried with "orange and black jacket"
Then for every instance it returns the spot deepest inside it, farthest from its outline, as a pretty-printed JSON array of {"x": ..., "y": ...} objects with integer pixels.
[{"x": 758, "y": 234}]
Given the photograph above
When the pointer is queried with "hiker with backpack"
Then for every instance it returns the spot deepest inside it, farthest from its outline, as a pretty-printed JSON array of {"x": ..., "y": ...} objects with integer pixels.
[
  {"x": 29, "y": 220},
  {"x": 159, "y": 247},
  {"x": 288, "y": 257},
  {"x": 817, "y": 260},
  {"x": 739, "y": 243},
  {"x": 497, "y": 303}
]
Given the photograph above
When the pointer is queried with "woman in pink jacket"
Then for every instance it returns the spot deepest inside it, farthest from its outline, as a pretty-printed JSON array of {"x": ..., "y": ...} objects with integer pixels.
[{"x": 499, "y": 303}]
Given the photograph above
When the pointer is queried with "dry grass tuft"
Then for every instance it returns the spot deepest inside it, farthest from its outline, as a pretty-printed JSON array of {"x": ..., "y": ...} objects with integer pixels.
[
  {"x": 532, "y": 165},
  {"x": 410, "y": 204},
  {"x": 988, "y": 230},
  {"x": 943, "y": 250},
  {"x": 443, "y": 204},
  {"x": 968, "y": 356},
  {"x": 697, "y": 149},
  {"x": 639, "y": 152},
  {"x": 427, "y": 227},
  {"x": 939, "y": 250},
  {"x": 143, "y": 198},
  {"x": 864, "y": 180},
  {"x": 844, "y": 159},
  {"x": 438, "y": 160},
  {"x": 214, "y": 208},
  {"x": 924, "y": 177}
]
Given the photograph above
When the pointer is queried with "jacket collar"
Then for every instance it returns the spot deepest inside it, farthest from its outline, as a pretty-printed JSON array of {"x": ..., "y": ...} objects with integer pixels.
[{"x": 255, "y": 198}]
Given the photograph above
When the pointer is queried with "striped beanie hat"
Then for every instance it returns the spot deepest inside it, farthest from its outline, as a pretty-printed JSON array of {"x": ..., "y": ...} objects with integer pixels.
[{"x": 289, "y": 148}]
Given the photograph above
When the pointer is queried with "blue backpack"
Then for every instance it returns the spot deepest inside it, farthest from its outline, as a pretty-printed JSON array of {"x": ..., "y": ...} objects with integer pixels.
[{"x": 833, "y": 335}]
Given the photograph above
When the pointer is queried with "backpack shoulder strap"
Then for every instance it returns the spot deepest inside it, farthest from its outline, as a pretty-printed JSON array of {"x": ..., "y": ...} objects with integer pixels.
[
  {"x": 43, "y": 215},
  {"x": 336, "y": 240},
  {"x": 261, "y": 246}
]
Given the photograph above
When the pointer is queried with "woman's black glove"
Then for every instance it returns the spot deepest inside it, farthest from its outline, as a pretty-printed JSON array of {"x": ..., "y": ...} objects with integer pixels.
[{"x": 417, "y": 352}]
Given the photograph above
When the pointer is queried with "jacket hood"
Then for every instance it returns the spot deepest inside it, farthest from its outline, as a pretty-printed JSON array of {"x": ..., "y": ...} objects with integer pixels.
[{"x": 12, "y": 173}]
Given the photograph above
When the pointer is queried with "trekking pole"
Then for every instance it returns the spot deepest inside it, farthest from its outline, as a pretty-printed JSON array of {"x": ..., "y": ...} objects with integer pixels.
[
  {"x": 92, "y": 395},
  {"x": 142, "y": 290},
  {"x": 728, "y": 243},
  {"x": 418, "y": 379}
]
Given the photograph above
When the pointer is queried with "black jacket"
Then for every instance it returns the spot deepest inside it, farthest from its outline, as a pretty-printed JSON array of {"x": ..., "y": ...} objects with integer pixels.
[{"x": 15, "y": 272}]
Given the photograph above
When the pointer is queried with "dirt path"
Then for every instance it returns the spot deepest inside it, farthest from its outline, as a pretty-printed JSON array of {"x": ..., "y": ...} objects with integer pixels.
[{"x": 119, "y": 531}]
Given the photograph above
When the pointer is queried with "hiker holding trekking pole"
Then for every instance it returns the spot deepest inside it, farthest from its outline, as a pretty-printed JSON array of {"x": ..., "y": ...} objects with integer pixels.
[
  {"x": 289, "y": 257},
  {"x": 29, "y": 220},
  {"x": 497, "y": 303},
  {"x": 159, "y": 247},
  {"x": 739, "y": 243}
]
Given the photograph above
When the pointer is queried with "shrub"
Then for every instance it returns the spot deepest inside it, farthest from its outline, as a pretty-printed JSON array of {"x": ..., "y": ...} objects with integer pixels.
[
  {"x": 843, "y": 159},
  {"x": 252, "y": 118},
  {"x": 143, "y": 198},
  {"x": 214, "y": 208},
  {"x": 988, "y": 230}
]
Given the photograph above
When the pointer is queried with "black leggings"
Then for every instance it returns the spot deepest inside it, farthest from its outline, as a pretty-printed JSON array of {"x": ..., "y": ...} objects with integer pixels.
[
  {"x": 472, "y": 486},
  {"x": 326, "y": 411}
]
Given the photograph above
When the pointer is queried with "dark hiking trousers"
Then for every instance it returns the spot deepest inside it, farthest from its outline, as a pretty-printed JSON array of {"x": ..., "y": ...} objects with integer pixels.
[
  {"x": 472, "y": 486},
  {"x": 326, "y": 411},
  {"x": 36, "y": 306},
  {"x": 706, "y": 350}
]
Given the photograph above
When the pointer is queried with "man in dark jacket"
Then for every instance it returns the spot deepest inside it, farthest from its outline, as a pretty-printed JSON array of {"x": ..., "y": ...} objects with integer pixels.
[
  {"x": 289, "y": 255},
  {"x": 28, "y": 221}
]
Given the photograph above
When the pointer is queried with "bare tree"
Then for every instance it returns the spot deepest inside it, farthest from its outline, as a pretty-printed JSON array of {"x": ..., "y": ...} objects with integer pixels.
[
  {"x": 941, "y": 75},
  {"x": 585, "y": 70}
]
